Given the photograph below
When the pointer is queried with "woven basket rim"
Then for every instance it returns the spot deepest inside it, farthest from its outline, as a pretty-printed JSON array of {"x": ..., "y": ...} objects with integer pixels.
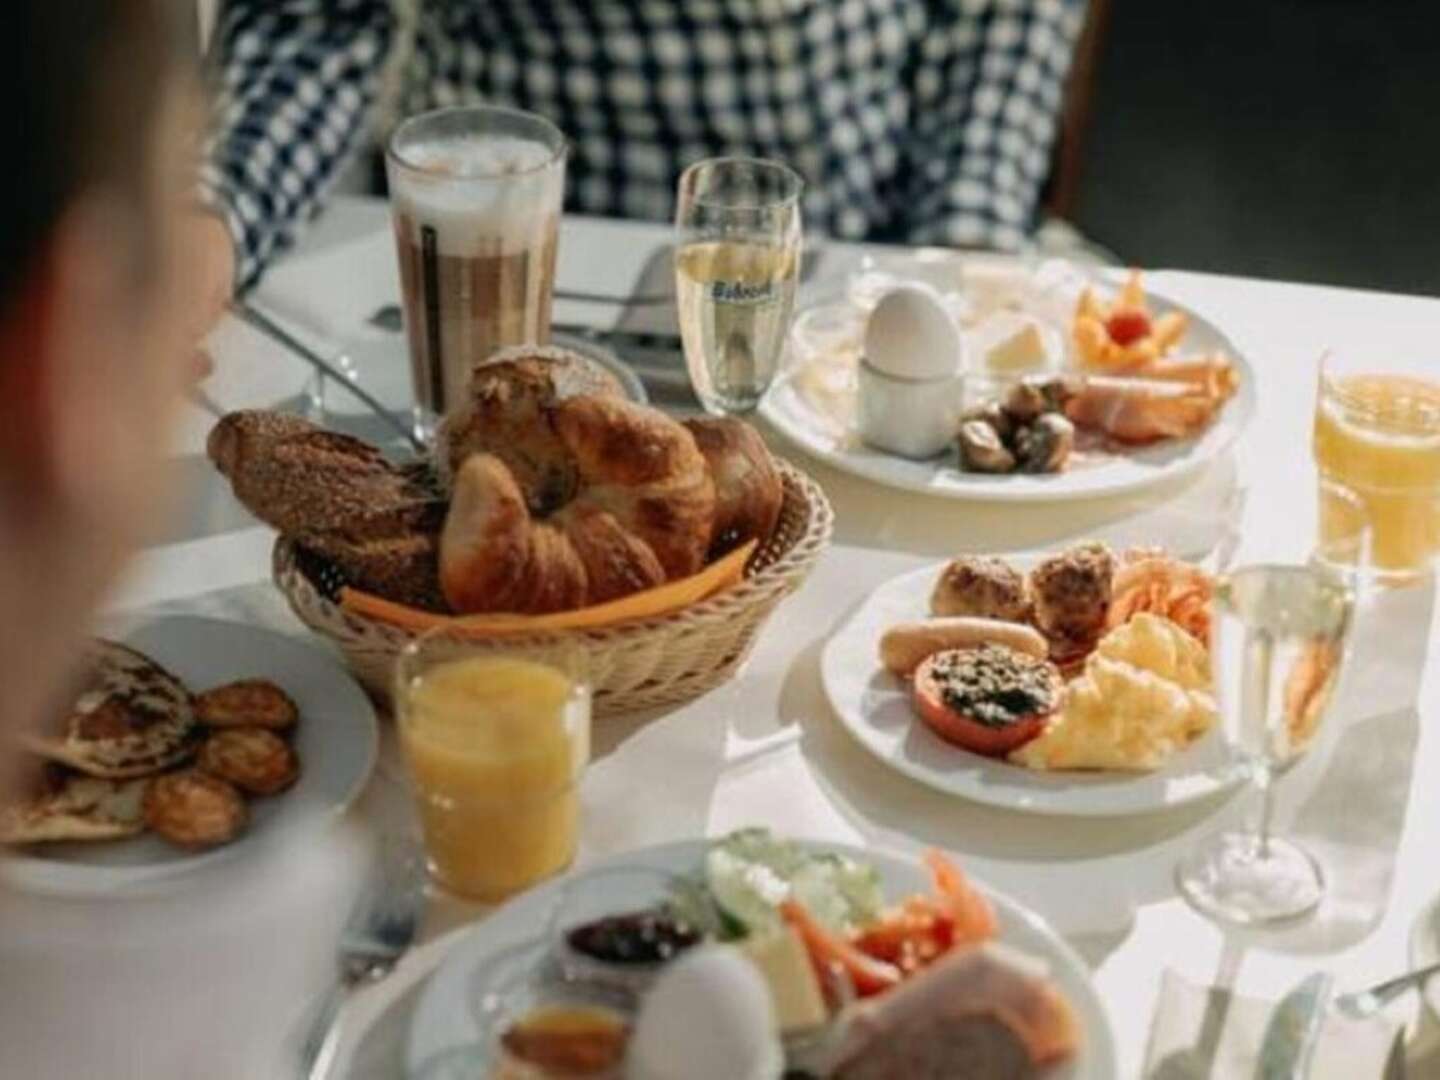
[{"x": 774, "y": 576}]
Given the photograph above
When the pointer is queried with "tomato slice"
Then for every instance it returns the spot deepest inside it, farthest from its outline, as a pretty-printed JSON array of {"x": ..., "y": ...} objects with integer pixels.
[
  {"x": 955, "y": 727},
  {"x": 1127, "y": 326}
]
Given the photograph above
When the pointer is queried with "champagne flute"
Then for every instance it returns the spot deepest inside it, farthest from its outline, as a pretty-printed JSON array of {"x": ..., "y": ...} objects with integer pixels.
[
  {"x": 1277, "y": 649},
  {"x": 737, "y": 262}
]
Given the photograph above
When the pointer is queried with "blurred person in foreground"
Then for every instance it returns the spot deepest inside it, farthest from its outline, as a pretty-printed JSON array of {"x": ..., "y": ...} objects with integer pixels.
[
  {"x": 196, "y": 975},
  {"x": 912, "y": 121}
]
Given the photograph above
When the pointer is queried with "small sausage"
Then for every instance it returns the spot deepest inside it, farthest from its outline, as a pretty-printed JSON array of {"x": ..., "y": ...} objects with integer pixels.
[{"x": 905, "y": 646}]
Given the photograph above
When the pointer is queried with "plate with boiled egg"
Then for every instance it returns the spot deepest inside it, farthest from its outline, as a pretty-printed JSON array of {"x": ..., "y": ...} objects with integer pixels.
[
  {"x": 752, "y": 955},
  {"x": 1001, "y": 380}
]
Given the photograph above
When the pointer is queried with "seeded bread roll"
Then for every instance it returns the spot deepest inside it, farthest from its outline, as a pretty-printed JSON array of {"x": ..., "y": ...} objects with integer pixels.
[
  {"x": 337, "y": 496},
  {"x": 303, "y": 480}
]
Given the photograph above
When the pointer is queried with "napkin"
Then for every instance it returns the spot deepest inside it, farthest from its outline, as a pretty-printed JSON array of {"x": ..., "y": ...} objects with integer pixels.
[{"x": 1207, "y": 1033}]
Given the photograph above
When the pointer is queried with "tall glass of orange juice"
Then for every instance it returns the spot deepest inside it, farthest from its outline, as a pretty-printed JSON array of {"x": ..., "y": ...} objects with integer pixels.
[
  {"x": 1377, "y": 433},
  {"x": 496, "y": 742}
]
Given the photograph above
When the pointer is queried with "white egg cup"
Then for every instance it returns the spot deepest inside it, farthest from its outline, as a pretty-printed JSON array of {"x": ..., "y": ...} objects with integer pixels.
[
  {"x": 913, "y": 418},
  {"x": 911, "y": 382}
]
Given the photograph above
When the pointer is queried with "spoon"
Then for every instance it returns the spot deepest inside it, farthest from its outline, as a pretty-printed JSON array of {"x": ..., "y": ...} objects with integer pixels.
[{"x": 1363, "y": 1004}]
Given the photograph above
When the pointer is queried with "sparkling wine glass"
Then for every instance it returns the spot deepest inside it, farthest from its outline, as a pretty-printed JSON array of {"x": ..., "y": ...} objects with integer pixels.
[
  {"x": 737, "y": 263},
  {"x": 1282, "y": 617}
]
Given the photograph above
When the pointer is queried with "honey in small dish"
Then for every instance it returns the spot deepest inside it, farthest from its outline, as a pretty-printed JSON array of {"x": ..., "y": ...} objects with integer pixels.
[{"x": 562, "y": 1041}]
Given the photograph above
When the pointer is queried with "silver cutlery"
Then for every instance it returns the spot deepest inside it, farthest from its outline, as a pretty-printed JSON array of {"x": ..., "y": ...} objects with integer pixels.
[
  {"x": 1363, "y": 1004},
  {"x": 1294, "y": 1028},
  {"x": 390, "y": 317},
  {"x": 380, "y": 929},
  {"x": 333, "y": 369}
]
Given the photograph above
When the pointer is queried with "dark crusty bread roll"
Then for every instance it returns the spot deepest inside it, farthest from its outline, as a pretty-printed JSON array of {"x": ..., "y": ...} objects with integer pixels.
[
  {"x": 337, "y": 496},
  {"x": 748, "y": 490},
  {"x": 302, "y": 479},
  {"x": 509, "y": 412}
]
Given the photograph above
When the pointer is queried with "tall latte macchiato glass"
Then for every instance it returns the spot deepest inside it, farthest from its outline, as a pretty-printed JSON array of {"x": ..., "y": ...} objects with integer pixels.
[{"x": 475, "y": 193}]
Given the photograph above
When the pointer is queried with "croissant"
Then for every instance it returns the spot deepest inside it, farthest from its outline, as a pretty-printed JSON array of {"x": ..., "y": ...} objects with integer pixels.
[{"x": 642, "y": 512}]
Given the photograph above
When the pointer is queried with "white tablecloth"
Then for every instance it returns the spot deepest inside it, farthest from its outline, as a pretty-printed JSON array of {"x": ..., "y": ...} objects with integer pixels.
[{"x": 765, "y": 748}]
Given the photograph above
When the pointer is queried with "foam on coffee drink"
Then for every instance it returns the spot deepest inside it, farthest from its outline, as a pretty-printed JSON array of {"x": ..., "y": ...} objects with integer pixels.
[{"x": 475, "y": 227}]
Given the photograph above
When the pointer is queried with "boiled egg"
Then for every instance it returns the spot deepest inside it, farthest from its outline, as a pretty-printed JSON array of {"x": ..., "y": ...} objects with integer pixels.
[
  {"x": 709, "y": 1016},
  {"x": 912, "y": 335}
]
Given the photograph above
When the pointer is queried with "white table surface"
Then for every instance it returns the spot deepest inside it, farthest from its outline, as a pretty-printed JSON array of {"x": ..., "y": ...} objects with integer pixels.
[{"x": 765, "y": 748}]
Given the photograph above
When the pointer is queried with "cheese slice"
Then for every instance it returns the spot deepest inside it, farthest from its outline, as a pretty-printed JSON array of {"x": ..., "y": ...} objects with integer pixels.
[
  {"x": 1022, "y": 350},
  {"x": 783, "y": 960}
]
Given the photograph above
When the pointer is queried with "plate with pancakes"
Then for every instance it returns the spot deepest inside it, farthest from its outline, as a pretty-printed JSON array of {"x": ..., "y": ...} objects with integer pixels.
[
  {"x": 184, "y": 741},
  {"x": 1073, "y": 683}
]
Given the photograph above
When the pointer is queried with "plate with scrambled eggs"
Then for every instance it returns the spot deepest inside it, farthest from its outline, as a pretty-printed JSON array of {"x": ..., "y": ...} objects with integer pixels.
[{"x": 937, "y": 674}]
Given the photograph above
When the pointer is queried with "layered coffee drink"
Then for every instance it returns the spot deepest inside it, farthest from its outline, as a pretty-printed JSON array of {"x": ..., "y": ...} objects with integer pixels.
[{"x": 476, "y": 203}]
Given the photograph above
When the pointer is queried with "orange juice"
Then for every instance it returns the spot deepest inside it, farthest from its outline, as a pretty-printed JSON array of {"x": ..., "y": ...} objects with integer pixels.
[
  {"x": 1379, "y": 436},
  {"x": 496, "y": 746}
]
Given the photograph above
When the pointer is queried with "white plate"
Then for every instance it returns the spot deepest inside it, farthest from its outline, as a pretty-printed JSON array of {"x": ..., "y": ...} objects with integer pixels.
[
  {"x": 786, "y": 408},
  {"x": 443, "y": 1019},
  {"x": 337, "y": 741},
  {"x": 874, "y": 706}
]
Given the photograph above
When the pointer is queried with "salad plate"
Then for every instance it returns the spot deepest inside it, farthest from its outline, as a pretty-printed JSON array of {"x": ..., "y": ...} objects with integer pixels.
[{"x": 445, "y": 1026}]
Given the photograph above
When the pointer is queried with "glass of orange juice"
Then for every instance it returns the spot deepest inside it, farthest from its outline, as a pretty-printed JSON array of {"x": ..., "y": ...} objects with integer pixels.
[
  {"x": 1377, "y": 433},
  {"x": 496, "y": 742}
]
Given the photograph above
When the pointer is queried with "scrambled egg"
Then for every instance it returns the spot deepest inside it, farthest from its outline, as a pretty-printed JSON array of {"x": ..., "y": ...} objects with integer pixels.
[{"x": 1144, "y": 696}]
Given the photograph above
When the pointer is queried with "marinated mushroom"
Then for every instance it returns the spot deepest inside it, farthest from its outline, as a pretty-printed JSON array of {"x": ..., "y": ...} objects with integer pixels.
[
  {"x": 992, "y": 413},
  {"x": 981, "y": 449},
  {"x": 1044, "y": 446},
  {"x": 1025, "y": 401}
]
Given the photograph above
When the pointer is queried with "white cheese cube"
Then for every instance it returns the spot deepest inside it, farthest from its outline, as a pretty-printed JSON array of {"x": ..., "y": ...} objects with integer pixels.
[{"x": 784, "y": 961}]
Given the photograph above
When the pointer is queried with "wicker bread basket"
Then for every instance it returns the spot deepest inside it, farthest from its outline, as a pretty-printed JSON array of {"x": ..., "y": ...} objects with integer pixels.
[{"x": 634, "y": 665}]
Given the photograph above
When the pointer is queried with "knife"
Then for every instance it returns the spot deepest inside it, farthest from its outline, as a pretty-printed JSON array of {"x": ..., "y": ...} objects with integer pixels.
[
  {"x": 273, "y": 330},
  {"x": 1294, "y": 1029}
]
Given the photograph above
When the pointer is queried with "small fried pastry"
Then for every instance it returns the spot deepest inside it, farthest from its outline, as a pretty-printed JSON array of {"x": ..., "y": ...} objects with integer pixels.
[
  {"x": 247, "y": 703},
  {"x": 981, "y": 586},
  {"x": 253, "y": 759},
  {"x": 1072, "y": 593},
  {"x": 193, "y": 809}
]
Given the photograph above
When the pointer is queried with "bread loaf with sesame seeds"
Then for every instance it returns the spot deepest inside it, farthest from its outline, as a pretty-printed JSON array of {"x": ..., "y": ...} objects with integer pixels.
[{"x": 379, "y": 523}]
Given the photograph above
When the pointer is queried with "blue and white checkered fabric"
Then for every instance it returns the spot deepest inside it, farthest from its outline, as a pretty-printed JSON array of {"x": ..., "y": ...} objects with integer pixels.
[{"x": 917, "y": 121}]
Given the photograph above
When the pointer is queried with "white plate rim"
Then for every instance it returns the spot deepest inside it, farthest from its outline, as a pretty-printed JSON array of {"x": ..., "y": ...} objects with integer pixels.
[
  {"x": 37, "y": 874},
  {"x": 433, "y": 1023},
  {"x": 787, "y": 413},
  {"x": 984, "y": 780}
]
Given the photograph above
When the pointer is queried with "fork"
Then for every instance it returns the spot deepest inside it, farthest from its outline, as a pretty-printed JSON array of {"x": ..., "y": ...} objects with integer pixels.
[{"x": 380, "y": 929}]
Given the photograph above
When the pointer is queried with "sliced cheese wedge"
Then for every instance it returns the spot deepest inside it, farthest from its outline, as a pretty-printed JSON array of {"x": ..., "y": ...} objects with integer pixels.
[{"x": 784, "y": 961}]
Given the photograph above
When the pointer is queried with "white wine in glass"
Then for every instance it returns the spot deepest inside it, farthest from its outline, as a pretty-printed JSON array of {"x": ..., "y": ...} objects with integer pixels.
[
  {"x": 1277, "y": 648},
  {"x": 1278, "y": 642},
  {"x": 737, "y": 262}
]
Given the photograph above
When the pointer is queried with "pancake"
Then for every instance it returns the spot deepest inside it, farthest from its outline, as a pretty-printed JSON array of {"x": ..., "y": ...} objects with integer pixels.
[
  {"x": 131, "y": 718},
  {"x": 194, "y": 810},
  {"x": 247, "y": 703},
  {"x": 76, "y": 808},
  {"x": 254, "y": 760}
]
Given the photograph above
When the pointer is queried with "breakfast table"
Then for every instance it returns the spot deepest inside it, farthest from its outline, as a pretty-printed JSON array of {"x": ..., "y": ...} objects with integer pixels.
[{"x": 765, "y": 747}]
